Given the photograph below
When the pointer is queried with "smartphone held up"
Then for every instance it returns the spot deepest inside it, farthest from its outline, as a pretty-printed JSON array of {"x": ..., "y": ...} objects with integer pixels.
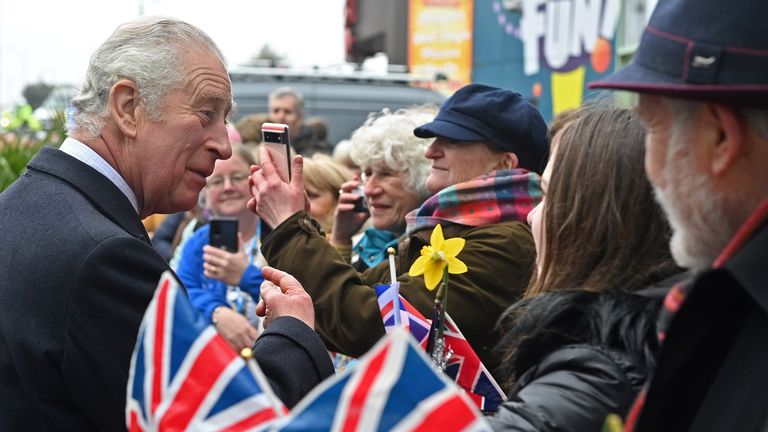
[
  {"x": 275, "y": 140},
  {"x": 361, "y": 204},
  {"x": 223, "y": 233}
]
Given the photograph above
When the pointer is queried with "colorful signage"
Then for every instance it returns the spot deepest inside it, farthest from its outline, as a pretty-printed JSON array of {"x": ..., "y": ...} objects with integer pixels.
[{"x": 440, "y": 40}]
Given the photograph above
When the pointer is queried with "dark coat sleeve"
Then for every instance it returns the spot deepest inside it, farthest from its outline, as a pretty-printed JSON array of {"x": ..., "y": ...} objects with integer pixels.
[
  {"x": 115, "y": 283},
  {"x": 572, "y": 389},
  {"x": 293, "y": 359}
]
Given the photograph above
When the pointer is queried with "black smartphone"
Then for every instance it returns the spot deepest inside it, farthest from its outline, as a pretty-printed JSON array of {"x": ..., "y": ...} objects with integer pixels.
[
  {"x": 275, "y": 139},
  {"x": 361, "y": 205},
  {"x": 223, "y": 233}
]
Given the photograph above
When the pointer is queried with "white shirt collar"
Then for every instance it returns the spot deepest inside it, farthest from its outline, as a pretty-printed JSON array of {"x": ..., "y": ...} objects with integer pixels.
[{"x": 86, "y": 155}]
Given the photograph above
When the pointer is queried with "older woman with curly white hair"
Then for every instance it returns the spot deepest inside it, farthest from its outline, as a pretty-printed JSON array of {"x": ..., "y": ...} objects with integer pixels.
[{"x": 394, "y": 173}]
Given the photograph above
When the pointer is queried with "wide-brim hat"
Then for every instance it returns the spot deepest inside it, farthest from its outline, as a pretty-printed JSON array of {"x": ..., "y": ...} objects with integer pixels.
[
  {"x": 701, "y": 49},
  {"x": 499, "y": 117}
]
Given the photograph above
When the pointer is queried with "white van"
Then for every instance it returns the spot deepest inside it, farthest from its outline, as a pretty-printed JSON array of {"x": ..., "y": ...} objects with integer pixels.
[{"x": 344, "y": 100}]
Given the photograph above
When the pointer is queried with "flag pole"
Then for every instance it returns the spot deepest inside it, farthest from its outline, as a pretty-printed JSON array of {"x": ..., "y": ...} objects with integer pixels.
[{"x": 394, "y": 284}]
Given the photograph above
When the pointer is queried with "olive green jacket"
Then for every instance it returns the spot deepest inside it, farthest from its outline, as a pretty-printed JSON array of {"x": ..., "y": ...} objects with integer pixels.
[{"x": 500, "y": 258}]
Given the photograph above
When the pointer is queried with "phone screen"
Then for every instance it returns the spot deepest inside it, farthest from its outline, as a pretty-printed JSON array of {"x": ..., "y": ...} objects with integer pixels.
[
  {"x": 275, "y": 140},
  {"x": 223, "y": 233}
]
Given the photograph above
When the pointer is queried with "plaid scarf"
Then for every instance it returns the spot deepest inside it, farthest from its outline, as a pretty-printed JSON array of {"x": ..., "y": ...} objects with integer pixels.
[{"x": 498, "y": 196}]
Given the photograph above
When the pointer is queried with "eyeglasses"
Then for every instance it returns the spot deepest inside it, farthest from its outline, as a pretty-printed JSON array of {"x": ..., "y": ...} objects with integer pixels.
[{"x": 217, "y": 182}]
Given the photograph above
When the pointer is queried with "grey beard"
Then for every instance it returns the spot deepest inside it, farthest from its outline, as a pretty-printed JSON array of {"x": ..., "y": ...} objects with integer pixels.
[{"x": 700, "y": 226}]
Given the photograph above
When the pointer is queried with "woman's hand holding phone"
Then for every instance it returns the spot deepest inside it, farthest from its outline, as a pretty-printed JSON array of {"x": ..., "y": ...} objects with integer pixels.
[
  {"x": 225, "y": 266},
  {"x": 273, "y": 199},
  {"x": 347, "y": 218}
]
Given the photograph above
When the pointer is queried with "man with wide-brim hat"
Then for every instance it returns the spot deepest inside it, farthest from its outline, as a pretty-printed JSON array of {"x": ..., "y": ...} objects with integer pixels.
[{"x": 701, "y": 72}]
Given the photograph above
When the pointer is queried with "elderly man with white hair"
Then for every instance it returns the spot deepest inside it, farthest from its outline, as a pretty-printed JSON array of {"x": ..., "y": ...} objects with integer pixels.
[
  {"x": 78, "y": 269},
  {"x": 702, "y": 74}
]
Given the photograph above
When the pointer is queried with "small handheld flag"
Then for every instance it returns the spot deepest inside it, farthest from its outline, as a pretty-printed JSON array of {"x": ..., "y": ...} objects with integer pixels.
[{"x": 184, "y": 376}]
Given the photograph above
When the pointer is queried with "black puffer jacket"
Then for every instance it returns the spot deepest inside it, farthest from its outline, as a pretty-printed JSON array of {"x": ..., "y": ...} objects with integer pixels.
[{"x": 575, "y": 357}]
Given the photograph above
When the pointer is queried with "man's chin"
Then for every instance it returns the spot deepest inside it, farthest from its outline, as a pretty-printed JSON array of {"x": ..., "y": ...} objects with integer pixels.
[
  {"x": 699, "y": 228},
  {"x": 181, "y": 203},
  {"x": 681, "y": 248}
]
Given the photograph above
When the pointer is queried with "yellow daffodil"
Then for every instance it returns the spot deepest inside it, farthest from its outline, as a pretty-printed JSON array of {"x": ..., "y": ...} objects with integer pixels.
[{"x": 436, "y": 256}]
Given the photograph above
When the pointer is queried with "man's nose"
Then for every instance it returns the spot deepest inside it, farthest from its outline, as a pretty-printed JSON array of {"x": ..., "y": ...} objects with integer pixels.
[{"x": 219, "y": 143}]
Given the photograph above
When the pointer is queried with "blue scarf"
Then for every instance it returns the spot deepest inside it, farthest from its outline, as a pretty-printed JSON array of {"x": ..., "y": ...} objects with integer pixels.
[{"x": 372, "y": 248}]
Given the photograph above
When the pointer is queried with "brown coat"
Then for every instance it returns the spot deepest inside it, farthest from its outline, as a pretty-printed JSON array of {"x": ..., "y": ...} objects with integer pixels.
[{"x": 500, "y": 258}]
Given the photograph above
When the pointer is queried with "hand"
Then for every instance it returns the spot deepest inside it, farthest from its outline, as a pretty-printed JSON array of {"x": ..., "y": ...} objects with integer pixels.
[
  {"x": 347, "y": 222},
  {"x": 235, "y": 329},
  {"x": 282, "y": 295},
  {"x": 273, "y": 199},
  {"x": 225, "y": 266}
]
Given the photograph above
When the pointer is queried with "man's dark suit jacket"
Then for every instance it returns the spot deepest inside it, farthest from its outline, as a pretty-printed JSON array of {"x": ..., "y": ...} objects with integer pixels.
[{"x": 77, "y": 271}]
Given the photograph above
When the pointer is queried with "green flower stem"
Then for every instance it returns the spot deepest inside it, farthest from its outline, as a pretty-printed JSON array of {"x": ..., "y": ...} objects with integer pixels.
[{"x": 442, "y": 297}]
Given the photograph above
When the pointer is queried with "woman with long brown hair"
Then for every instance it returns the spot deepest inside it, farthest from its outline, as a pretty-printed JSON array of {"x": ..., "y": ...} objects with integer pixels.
[{"x": 580, "y": 343}]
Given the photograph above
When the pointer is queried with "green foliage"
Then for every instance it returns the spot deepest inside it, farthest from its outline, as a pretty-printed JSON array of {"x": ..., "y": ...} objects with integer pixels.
[
  {"x": 15, "y": 153},
  {"x": 18, "y": 146}
]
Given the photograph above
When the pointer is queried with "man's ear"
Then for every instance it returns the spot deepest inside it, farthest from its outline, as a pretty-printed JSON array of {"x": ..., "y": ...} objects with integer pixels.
[
  {"x": 123, "y": 107},
  {"x": 510, "y": 160},
  {"x": 730, "y": 144}
]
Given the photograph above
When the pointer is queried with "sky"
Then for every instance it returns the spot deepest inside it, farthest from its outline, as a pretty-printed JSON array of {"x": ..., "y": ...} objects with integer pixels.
[{"x": 52, "y": 40}]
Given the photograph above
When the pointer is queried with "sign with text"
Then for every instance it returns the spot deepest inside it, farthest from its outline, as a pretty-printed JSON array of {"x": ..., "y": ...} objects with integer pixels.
[{"x": 440, "y": 39}]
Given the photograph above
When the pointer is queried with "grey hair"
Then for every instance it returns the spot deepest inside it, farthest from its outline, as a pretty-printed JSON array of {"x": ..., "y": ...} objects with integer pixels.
[
  {"x": 146, "y": 51},
  {"x": 386, "y": 141},
  {"x": 283, "y": 92},
  {"x": 702, "y": 219},
  {"x": 684, "y": 112}
]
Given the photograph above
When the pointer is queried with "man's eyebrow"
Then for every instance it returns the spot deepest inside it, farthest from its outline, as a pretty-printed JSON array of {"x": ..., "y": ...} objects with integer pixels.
[
  {"x": 230, "y": 110},
  {"x": 220, "y": 98}
]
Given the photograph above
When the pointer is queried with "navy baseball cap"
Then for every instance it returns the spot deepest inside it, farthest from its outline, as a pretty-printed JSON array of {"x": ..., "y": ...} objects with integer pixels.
[
  {"x": 701, "y": 49},
  {"x": 503, "y": 118}
]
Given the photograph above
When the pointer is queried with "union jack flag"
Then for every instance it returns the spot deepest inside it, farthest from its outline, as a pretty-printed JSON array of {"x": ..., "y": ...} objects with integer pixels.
[
  {"x": 464, "y": 366},
  {"x": 390, "y": 301},
  {"x": 395, "y": 387},
  {"x": 184, "y": 376}
]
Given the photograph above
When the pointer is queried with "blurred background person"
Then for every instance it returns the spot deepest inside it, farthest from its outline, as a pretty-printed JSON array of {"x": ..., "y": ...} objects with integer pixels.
[
  {"x": 163, "y": 239},
  {"x": 342, "y": 156},
  {"x": 582, "y": 342},
  {"x": 323, "y": 178},
  {"x": 286, "y": 105},
  {"x": 224, "y": 286},
  {"x": 394, "y": 175},
  {"x": 319, "y": 128},
  {"x": 249, "y": 128}
]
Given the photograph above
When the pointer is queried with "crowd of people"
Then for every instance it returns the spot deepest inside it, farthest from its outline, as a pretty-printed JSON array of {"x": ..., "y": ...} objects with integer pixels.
[{"x": 614, "y": 257}]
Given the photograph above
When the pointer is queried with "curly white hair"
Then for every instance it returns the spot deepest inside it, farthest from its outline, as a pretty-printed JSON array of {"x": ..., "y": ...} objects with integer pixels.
[{"x": 386, "y": 142}]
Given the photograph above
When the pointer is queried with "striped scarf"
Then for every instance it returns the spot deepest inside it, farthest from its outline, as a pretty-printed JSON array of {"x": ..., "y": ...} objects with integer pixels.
[{"x": 499, "y": 196}]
